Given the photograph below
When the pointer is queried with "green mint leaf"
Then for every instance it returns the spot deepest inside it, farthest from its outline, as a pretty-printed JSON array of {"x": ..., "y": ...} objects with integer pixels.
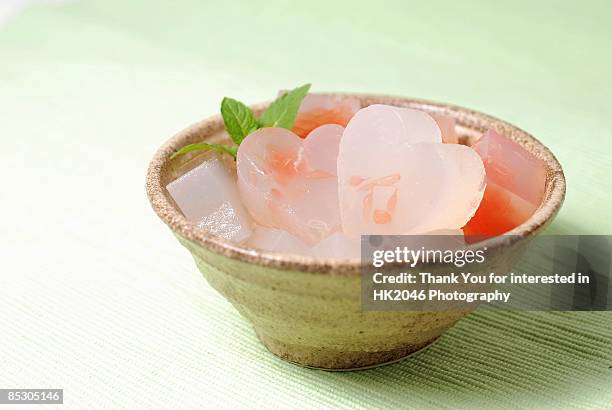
[
  {"x": 228, "y": 149},
  {"x": 283, "y": 110},
  {"x": 238, "y": 118}
]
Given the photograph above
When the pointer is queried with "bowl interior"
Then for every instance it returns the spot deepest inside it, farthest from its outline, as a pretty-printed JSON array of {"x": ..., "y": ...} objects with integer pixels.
[{"x": 470, "y": 126}]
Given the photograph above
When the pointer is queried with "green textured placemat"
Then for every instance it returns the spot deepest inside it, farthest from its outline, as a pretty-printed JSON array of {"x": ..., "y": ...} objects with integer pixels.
[{"x": 96, "y": 296}]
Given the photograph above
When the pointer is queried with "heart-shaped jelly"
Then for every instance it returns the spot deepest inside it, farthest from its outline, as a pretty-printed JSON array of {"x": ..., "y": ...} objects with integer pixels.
[
  {"x": 396, "y": 177},
  {"x": 289, "y": 183}
]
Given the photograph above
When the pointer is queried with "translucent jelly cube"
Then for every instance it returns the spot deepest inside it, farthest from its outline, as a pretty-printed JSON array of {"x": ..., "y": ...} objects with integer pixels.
[
  {"x": 516, "y": 181},
  {"x": 338, "y": 246},
  {"x": 277, "y": 240},
  {"x": 512, "y": 167},
  {"x": 208, "y": 196},
  {"x": 499, "y": 212}
]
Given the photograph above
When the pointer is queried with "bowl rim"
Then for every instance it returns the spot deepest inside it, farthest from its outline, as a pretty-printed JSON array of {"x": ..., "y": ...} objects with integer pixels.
[{"x": 470, "y": 119}]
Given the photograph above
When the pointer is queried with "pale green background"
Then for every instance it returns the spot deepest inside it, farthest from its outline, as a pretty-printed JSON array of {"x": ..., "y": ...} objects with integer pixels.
[{"x": 96, "y": 296}]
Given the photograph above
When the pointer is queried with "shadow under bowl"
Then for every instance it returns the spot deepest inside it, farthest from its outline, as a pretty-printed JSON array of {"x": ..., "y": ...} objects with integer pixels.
[{"x": 308, "y": 311}]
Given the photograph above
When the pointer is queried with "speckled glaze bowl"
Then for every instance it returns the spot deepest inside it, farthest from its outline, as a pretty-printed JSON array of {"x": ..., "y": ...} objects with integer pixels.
[{"x": 308, "y": 311}]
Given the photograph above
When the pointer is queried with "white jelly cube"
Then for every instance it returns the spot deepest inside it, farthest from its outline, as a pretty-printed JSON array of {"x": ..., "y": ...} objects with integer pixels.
[
  {"x": 277, "y": 240},
  {"x": 208, "y": 196},
  {"x": 337, "y": 246}
]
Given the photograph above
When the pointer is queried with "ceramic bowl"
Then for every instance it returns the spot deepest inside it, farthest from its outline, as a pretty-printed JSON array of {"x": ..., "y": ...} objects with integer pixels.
[{"x": 308, "y": 311}]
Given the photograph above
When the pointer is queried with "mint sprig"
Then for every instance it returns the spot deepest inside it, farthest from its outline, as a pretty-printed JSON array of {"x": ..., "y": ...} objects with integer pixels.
[
  {"x": 282, "y": 112},
  {"x": 223, "y": 148},
  {"x": 240, "y": 121}
]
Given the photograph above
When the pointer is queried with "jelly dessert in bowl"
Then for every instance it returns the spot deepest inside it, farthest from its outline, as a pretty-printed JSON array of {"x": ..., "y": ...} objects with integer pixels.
[{"x": 271, "y": 202}]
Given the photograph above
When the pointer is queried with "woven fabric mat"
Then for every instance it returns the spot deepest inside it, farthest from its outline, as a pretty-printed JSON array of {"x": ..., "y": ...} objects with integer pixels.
[{"x": 98, "y": 298}]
